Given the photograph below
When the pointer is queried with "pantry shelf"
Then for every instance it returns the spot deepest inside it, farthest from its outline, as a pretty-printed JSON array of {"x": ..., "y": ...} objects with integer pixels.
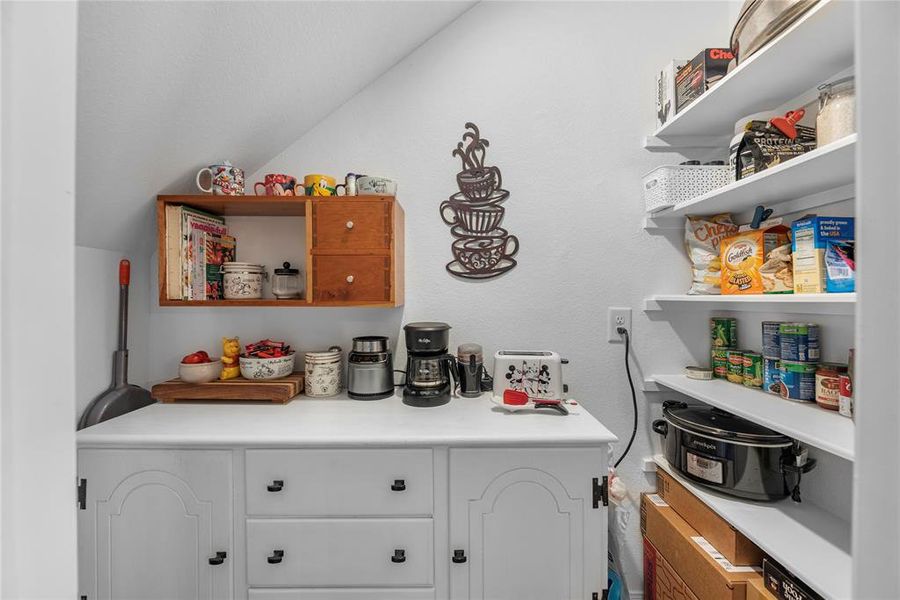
[
  {"x": 820, "y": 304},
  {"x": 803, "y": 421},
  {"x": 816, "y": 47},
  {"x": 813, "y": 543}
]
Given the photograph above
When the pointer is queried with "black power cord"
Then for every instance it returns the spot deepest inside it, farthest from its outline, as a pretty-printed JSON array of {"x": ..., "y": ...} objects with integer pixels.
[{"x": 623, "y": 331}]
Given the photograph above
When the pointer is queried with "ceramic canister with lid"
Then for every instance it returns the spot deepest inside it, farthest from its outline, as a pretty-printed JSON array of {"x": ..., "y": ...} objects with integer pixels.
[
  {"x": 243, "y": 281},
  {"x": 324, "y": 372}
]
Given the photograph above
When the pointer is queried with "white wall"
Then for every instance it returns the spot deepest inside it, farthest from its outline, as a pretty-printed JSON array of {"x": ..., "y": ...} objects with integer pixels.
[
  {"x": 37, "y": 371},
  {"x": 564, "y": 92}
]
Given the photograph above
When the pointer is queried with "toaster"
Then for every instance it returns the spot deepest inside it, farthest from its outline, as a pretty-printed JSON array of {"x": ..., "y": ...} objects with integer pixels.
[{"x": 539, "y": 374}]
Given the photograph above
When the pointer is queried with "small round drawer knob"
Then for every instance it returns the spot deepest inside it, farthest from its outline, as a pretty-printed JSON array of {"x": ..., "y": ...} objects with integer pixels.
[
  {"x": 349, "y": 224},
  {"x": 277, "y": 557},
  {"x": 399, "y": 556},
  {"x": 349, "y": 278},
  {"x": 276, "y": 486}
]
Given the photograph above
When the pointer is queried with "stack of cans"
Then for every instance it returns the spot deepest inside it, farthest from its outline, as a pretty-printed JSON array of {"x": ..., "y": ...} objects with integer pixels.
[
  {"x": 797, "y": 360},
  {"x": 723, "y": 331}
]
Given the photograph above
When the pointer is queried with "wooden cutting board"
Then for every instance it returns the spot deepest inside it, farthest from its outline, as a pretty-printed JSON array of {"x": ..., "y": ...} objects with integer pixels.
[{"x": 278, "y": 391}]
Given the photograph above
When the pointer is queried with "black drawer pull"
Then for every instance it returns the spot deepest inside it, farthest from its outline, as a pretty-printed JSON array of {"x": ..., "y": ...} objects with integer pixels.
[
  {"x": 459, "y": 556},
  {"x": 218, "y": 559},
  {"x": 399, "y": 485},
  {"x": 277, "y": 557},
  {"x": 276, "y": 486},
  {"x": 399, "y": 556}
]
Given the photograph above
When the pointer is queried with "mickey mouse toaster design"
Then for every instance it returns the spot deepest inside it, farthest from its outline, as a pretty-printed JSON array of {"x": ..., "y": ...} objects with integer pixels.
[{"x": 538, "y": 374}]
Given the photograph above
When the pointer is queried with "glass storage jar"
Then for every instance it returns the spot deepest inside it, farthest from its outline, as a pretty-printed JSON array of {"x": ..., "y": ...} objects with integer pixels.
[
  {"x": 837, "y": 111},
  {"x": 324, "y": 373},
  {"x": 287, "y": 283}
]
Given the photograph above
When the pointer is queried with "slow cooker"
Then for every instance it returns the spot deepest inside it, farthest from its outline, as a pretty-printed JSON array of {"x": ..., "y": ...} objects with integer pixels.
[{"x": 729, "y": 454}]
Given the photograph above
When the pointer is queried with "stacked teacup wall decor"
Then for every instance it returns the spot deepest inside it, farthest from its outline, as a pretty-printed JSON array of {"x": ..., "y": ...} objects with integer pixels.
[{"x": 481, "y": 248}]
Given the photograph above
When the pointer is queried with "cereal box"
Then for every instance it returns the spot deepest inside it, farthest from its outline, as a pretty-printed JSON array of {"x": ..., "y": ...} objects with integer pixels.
[
  {"x": 744, "y": 254},
  {"x": 813, "y": 239}
]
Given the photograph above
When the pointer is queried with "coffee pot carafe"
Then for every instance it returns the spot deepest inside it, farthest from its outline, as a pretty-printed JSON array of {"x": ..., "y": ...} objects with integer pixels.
[{"x": 431, "y": 375}]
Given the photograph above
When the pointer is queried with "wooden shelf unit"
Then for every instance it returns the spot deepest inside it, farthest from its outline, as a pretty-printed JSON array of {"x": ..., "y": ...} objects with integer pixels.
[{"x": 362, "y": 235}]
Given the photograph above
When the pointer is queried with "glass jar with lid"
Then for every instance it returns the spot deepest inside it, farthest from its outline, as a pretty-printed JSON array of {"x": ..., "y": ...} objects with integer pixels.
[
  {"x": 837, "y": 111},
  {"x": 287, "y": 282}
]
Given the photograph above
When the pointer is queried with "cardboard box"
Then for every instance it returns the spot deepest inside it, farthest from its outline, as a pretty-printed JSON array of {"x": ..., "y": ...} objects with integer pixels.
[
  {"x": 726, "y": 539},
  {"x": 661, "y": 581},
  {"x": 749, "y": 265},
  {"x": 812, "y": 239},
  {"x": 665, "y": 91},
  {"x": 784, "y": 586},
  {"x": 708, "y": 574},
  {"x": 693, "y": 79},
  {"x": 756, "y": 590}
]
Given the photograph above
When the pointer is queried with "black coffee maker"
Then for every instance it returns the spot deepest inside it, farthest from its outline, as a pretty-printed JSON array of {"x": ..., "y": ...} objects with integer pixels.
[{"x": 430, "y": 371}]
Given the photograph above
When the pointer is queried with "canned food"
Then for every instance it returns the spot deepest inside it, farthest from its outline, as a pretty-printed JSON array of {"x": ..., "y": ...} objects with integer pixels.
[
  {"x": 771, "y": 340},
  {"x": 720, "y": 364},
  {"x": 735, "y": 366},
  {"x": 845, "y": 396},
  {"x": 799, "y": 342},
  {"x": 753, "y": 376},
  {"x": 828, "y": 385},
  {"x": 772, "y": 375},
  {"x": 724, "y": 332},
  {"x": 798, "y": 380}
]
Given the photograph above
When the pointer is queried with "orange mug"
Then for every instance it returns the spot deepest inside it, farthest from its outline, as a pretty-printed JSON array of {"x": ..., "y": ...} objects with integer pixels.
[{"x": 319, "y": 185}]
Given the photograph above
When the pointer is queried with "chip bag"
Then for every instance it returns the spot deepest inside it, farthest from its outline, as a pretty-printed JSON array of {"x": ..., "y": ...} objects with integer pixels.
[
  {"x": 744, "y": 254},
  {"x": 702, "y": 236}
]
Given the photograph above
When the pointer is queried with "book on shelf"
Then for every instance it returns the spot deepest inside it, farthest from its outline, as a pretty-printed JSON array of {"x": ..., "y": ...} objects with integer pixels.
[
  {"x": 186, "y": 240},
  {"x": 218, "y": 249}
]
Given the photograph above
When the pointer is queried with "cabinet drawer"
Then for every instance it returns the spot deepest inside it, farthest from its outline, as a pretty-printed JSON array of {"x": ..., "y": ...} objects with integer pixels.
[
  {"x": 342, "y": 594},
  {"x": 349, "y": 278},
  {"x": 351, "y": 225},
  {"x": 339, "y": 483},
  {"x": 340, "y": 552}
]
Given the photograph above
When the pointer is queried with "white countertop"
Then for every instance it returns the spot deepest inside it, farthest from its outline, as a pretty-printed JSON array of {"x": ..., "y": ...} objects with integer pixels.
[{"x": 340, "y": 421}]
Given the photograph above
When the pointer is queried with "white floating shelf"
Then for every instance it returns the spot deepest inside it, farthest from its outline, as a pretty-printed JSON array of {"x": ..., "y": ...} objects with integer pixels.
[
  {"x": 804, "y": 421},
  {"x": 816, "y": 47},
  {"x": 819, "y": 304},
  {"x": 811, "y": 542},
  {"x": 822, "y": 169}
]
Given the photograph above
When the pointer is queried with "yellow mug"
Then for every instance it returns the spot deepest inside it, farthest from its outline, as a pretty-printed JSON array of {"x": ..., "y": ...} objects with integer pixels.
[{"x": 319, "y": 185}]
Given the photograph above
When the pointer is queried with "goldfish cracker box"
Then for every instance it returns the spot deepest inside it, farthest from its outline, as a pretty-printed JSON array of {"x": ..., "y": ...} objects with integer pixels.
[{"x": 757, "y": 261}]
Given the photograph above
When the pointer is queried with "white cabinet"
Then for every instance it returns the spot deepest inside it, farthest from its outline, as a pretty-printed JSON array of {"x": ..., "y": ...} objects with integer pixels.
[
  {"x": 524, "y": 525},
  {"x": 152, "y": 524}
]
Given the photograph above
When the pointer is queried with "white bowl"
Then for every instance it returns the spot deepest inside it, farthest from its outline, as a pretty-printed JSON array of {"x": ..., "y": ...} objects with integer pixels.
[
  {"x": 267, "y": 368},
  {"x": 200, "y": 372}
]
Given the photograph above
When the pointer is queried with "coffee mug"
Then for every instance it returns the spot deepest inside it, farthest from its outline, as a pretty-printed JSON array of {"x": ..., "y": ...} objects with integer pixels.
[
  {"x": 276, "y": 184},
  {"x": 479, "y": 184},
  {"x": 349, "y": 186},
  {"x": 319, "y": 185},
  {"x": 225, "y": 180},
  {"x": 480, "y": 255},
  {"x": 475, "y": 219},
  {"x": 366, "y": 184}
]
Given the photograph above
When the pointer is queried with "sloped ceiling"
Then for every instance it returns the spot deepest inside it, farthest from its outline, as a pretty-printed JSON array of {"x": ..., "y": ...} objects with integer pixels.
[{"x": 165, "y": 88}]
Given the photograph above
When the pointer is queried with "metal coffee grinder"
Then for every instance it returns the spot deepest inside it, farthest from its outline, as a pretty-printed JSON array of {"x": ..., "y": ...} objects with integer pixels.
[{"x": 430, "y": 371}]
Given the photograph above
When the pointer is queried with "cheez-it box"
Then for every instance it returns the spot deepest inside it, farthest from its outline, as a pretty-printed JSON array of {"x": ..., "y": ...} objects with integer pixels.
[{"x": 694, "y": 78}]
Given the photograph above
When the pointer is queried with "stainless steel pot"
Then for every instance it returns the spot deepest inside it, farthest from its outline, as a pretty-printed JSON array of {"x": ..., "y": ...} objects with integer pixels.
[{"x": 730, "y": 454}]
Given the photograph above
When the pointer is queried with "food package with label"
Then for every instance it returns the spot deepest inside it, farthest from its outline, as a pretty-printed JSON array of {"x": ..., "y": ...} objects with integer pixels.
[
  {"x": 756, "y": 261},
  {"x": 762, "y": 145},
  {"x": 697, "y": 76},
  {"x": 665, "y": 91},
  {"x": 702, "y": 237},
  {"x": 823, "y": 255}
]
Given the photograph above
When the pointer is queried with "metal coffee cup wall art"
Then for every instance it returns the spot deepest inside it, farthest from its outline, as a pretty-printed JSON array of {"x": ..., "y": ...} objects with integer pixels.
[{"x": 482, "y": 248}]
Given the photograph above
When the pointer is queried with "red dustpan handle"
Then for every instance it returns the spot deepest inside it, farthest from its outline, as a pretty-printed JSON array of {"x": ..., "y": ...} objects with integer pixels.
[{"x": 124, "y": 271}]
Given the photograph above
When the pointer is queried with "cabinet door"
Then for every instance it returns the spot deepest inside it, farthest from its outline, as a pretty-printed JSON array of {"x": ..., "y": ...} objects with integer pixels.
[
  {"x": 152, "y": 521},
  {"x": 524, "y": 521}
]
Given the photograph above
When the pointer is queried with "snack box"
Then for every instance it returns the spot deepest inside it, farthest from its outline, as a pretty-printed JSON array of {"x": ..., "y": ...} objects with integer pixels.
[
  {"x": 819, "y": 243},
  {"x": 743, "y": 256},
  {"x": 665, "y": 91},
  {"x": 697, "y": 76}
]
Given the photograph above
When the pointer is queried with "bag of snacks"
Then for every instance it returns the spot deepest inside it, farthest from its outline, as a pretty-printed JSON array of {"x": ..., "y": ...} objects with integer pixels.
[
  {"x": 745, "y": 253},
  {"x": 702, "y": 236}
]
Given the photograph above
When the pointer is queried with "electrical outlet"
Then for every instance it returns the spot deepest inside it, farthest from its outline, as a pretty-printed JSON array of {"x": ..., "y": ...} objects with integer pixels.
[{"x": 618, "y": 317}]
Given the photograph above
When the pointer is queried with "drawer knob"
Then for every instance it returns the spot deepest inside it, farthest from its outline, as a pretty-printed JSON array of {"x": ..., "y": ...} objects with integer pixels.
[
  {"x": 459, "y": 556},
  {"x": 276, "y": 486},
  {"x": 349, "y": 224},
  {"x": 277, "y": 557},
  {"x": 399, "y": 556},
  {"x": 218, "y": 559},
  {"x": 349, "y": 278},
  {"x": 399, "y": 485}
]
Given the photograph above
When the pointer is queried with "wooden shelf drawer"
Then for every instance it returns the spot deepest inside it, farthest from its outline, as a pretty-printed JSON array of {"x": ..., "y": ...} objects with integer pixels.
[
  {"x": 351, "y": 278},
  {"x": 340, "y": 552},
  {"x": 338, "y": 483},
  {"x": 351, "y": 224}
]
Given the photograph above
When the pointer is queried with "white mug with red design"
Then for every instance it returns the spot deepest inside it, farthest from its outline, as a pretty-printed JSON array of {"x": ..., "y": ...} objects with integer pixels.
[{"x": 225, "y": 180}]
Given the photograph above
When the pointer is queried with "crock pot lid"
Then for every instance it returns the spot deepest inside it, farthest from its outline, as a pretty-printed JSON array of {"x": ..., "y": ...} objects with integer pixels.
[
  {"x": 720, "y": 424},
  {"x": 426, "y": 326}
]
